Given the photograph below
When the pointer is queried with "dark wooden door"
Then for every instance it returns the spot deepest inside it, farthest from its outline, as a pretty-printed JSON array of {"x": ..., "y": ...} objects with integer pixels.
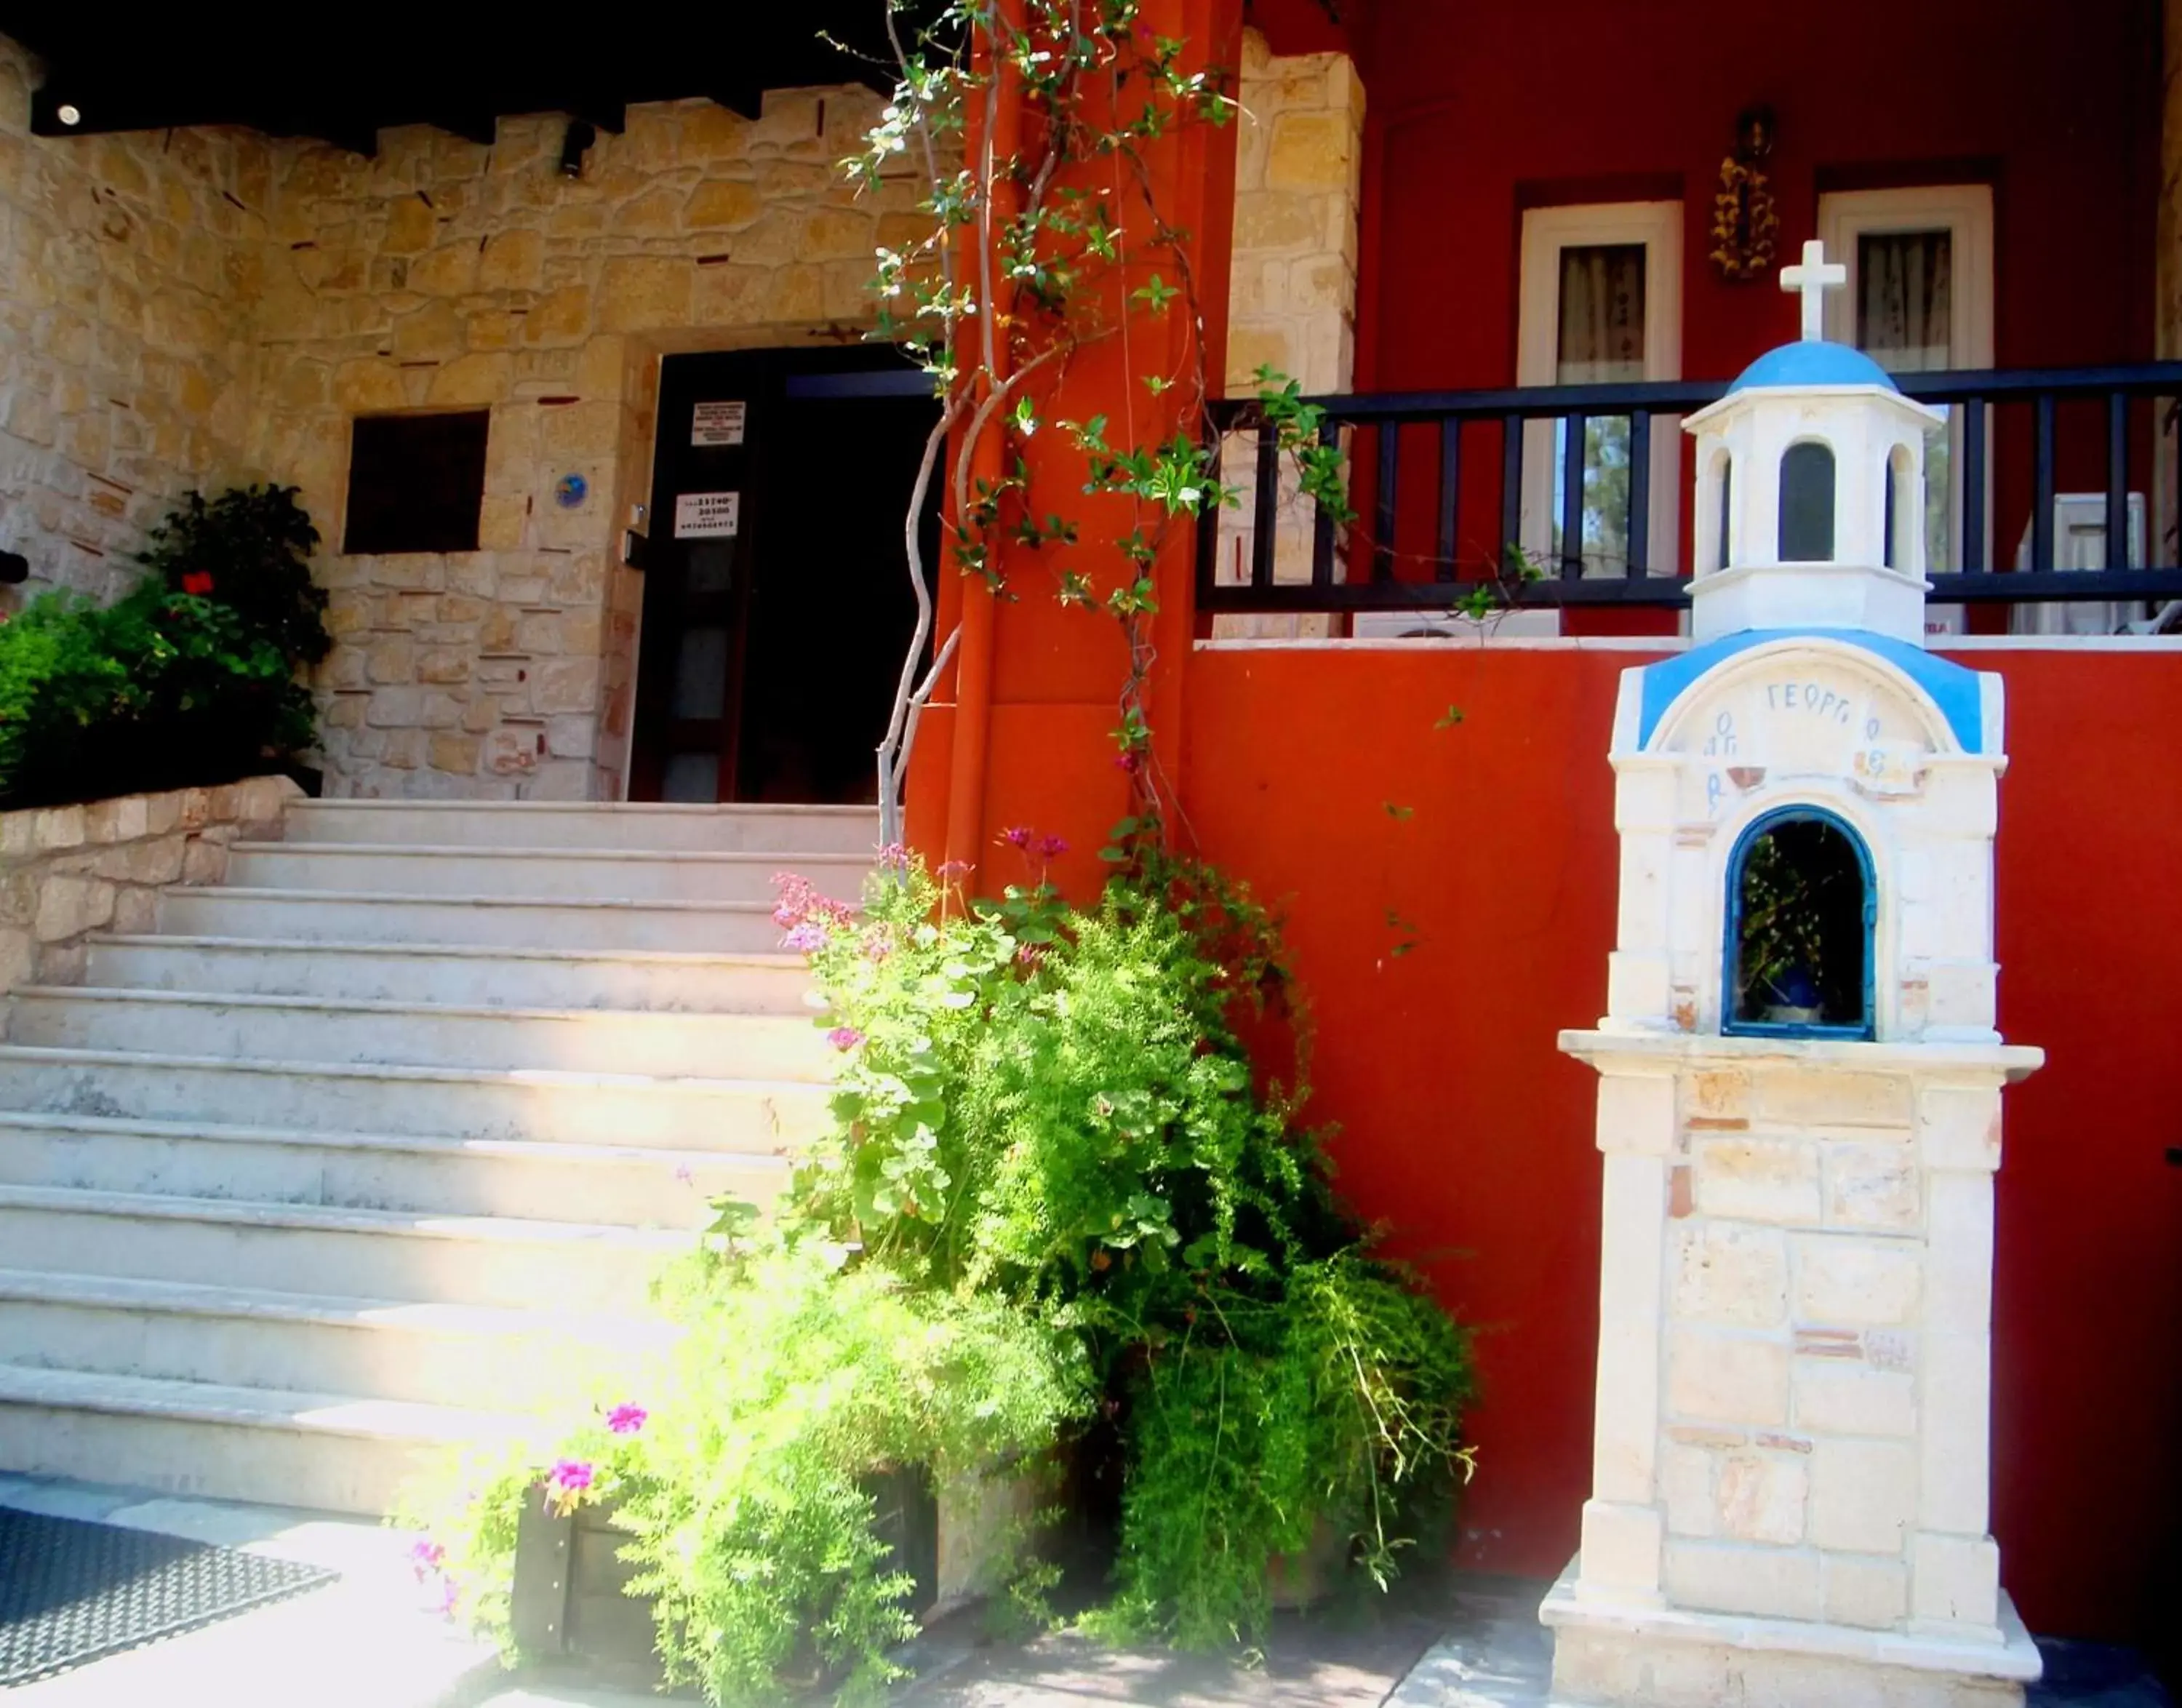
[{"x": 777, "y": 603}]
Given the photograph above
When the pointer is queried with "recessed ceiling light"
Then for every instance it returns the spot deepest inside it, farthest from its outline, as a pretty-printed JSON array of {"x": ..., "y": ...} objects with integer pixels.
[{"x": 69, "y": 115}]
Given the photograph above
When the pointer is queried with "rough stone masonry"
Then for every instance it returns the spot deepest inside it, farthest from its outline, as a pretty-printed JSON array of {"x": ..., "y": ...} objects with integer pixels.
[{"x": 195, "y": 308}]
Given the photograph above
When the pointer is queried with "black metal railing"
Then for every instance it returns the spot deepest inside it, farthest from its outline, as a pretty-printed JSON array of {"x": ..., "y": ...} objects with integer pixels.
[{"x": 1401, "y": 552}]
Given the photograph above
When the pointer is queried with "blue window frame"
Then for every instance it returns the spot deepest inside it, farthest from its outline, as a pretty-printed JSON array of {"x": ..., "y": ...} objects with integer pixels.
[{"x": 1803, "y": 906}]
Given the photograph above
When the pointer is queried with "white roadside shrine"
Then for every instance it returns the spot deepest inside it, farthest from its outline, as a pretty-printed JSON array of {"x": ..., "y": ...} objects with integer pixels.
[{"x": 1799, "y": 1099}]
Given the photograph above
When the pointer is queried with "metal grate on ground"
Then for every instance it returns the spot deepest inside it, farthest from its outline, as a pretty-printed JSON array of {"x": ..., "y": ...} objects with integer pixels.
[{"x": 72, "y": 1592}]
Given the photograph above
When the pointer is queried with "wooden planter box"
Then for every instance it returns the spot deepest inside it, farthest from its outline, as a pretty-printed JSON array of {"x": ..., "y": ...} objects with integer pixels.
[{"x": 571, "y": 1600}]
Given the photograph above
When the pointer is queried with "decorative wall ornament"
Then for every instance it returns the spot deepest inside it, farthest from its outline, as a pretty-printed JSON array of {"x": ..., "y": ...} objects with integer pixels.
[{"x": 1743, "y": 222}]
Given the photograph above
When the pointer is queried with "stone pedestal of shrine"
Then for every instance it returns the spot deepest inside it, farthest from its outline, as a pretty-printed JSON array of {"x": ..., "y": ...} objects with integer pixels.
[{"x": 1789, "y": 1468}]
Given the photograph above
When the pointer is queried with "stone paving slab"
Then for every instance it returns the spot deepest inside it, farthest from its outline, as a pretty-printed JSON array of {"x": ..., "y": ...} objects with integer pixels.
[
  {"x": 370, "y": 1641},
  {"x": 1331, "y": 1659}
]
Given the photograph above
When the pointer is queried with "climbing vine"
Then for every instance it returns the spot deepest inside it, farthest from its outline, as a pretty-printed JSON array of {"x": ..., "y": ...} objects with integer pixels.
[{"x": 1034, "y": 123}]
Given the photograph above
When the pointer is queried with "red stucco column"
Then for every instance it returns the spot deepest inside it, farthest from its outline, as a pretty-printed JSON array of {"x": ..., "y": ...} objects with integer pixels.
[{"x": 1020, "y": 735}]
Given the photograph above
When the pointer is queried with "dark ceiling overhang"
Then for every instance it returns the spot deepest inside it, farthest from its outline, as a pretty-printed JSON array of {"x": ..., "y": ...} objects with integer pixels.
[{"x": 459, "y": 67}]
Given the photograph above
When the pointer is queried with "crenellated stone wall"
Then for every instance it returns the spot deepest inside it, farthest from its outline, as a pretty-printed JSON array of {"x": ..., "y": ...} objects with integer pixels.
[
  {"x": 446, "y": 275},
  {"x": 129, "y": 265},
  {"x": 195, "y": 308}
]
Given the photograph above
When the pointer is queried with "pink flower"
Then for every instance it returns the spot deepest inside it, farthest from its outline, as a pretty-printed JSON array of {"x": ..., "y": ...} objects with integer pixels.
[
  {"x": 1126, "y": 762},
  {"x": 683, "y": 1176},
  {"x": 626, "y": 1418},
  {"x": 805, "y": 937},
  {"x": 426, "y": 1558},
  {"x": 797, "y": 894},
  {"x": 1051, "y": 847},
  {"x": 952, "y": 869},
  {"x": 566, "y": 1483},
  {"x": 449, "y": 1595},
  {"x": 893, "y": 857},
  {"x": 844, "y": 1037},
  {"x": 1018, "y": 837}
]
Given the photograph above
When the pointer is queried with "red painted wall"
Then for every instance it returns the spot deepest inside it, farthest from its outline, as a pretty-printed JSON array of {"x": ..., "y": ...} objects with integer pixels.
[
  {"x": 1477, "y": 107},
  {"x": 1480, "y": 109},
  {"x": 1466, "y": 1129},
  {"x": 1443, "y": 950}
]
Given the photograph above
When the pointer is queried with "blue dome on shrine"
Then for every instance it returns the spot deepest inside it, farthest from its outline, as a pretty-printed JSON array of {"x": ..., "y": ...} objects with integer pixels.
[{"x": 1813, "y": 362}]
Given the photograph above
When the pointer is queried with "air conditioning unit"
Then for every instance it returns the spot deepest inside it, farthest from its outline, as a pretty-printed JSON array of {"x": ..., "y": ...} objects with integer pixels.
[
  {"x": 2080, "y": 542},
  {"x": 1528, "y": 620}
]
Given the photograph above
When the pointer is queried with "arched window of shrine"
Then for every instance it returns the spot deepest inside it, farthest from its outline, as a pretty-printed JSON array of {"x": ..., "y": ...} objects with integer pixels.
[
  {"x": 1903, "y": 512},
  {"x": 1801, "y": 908},
  {"x": 1724, "y": 476},
  {"x": 1807, "y": 503}
]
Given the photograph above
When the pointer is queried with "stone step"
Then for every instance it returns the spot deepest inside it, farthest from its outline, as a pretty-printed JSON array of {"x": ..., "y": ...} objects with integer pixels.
[
  {"x": 471, "y": 976},
  {"x": 333, "y": 1452},
  {"x": 851, "y": 831},
  {"x": 623, "y": 1186},
  {"x": 325, "y": 1029},
  {"x": 714, "y": 928},
  {"x": 754, "y": 1117},
  {"x": 466, "y": 1355},
  {"x": 298, "y": 1248},
  {"x": 563, "y": 874}
]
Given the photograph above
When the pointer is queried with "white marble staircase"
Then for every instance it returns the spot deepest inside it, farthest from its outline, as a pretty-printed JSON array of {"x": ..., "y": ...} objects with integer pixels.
[{"x": 337, "y": 1164}]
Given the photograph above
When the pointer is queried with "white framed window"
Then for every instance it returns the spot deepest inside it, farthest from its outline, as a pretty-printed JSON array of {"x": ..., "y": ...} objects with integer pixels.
[
  {"x": 1920, "y": 298},
  {"x": 1601, "y": 302}
]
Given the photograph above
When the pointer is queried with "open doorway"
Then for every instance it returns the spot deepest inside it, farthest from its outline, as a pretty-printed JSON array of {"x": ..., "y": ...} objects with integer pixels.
[{"x": 777, "y": 604}]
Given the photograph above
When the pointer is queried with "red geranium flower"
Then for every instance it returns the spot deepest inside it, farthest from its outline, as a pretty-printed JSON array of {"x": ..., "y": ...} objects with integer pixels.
[{"x": 196, "y": 582}]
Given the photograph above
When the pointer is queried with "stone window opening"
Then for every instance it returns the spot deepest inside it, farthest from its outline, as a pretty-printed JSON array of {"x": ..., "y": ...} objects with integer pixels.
[
  {"x": 416, "y": 482},
  {"x": 1807, "y": 503},
  {"x": 1801, "y": 908}
]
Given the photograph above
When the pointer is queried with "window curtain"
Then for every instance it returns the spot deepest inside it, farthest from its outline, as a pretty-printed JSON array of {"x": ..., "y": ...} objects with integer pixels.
[
  {"x": 1600, "y": 342},
  {"x": 1601, "y": 323},
  {"x": 1905, "y": 322},
  {"x": 1905, "y": 295}
]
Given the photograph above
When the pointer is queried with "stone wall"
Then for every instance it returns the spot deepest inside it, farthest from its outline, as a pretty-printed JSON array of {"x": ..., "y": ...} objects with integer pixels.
[
  {"x": 201, "y": 307},
  {"x": 66, "y": 872},
  {"x": 448, "y": 275},
  {"x": 1292, "y": 280},
  {"x": 128, "y": 266},
  {"x": 1794, "y": 1390}
]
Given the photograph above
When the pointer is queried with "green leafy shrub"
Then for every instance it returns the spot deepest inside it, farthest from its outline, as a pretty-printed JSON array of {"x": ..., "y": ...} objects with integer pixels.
[
  {"x": 177, "y": 683},
  {"x": 1053, "y": 1105},
  {"x": 249, "y": 548},
  {"x": 740, "y": 1480},
  {"x": 1054, "y": 1192}
]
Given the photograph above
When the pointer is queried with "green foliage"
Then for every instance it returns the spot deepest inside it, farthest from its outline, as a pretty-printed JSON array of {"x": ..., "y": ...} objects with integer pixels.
[
  {"x": 191, "y": 678},
  {"x": 1332, "y": 1411},
  {"x": 751, "y": 1518},
  {"x": 743, "y": 1486},
  {"x": 159, "y": 690},
  {"x": 1055, "y": 1190},
  {"x": 250, "y": 549},
  {"x": 1052, "y": 1105}
]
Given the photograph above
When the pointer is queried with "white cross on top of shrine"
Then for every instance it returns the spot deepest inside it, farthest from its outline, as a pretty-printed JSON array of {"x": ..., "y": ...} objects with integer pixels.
[{"x": 1813, "y": 279}]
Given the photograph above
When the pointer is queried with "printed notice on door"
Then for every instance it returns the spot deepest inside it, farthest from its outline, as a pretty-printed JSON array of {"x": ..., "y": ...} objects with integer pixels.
[
  {"x": 706, "y": 515},
  {"x": 718, "y": 423}
]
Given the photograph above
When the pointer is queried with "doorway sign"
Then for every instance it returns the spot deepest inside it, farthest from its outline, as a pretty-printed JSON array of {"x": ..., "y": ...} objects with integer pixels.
[{"x": 707, "y": 515}]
